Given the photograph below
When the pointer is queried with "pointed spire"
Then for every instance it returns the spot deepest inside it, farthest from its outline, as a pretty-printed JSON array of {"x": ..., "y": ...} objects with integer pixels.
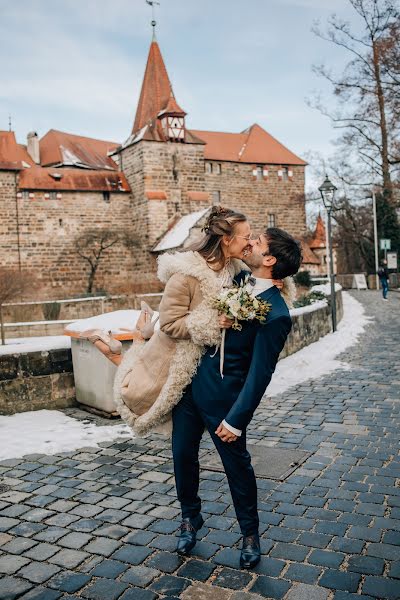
[
  {"x": 319, "y": 237},
  {"x": 156, "y": 94}
]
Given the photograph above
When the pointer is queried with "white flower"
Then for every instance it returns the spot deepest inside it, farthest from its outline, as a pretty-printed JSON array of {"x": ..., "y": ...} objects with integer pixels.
[{"x": 234, "y": 307}]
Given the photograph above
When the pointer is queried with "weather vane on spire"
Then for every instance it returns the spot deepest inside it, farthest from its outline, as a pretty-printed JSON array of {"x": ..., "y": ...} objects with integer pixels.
[{"x": 153, "y": 21}]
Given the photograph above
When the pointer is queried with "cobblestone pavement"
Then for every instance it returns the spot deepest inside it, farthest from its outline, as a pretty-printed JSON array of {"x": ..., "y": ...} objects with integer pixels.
[{"x": 100, "y": 523}]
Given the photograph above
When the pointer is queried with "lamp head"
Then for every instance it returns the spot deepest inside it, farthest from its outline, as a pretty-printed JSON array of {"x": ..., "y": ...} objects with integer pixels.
[{"x": 327, "y": 190}]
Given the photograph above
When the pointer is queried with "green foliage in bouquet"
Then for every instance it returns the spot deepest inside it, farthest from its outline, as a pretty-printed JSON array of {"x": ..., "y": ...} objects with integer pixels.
[{"x": 239, "y": 305}]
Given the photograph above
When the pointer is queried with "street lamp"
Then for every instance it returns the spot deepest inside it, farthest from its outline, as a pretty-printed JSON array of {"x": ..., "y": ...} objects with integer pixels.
[{"x": 327, "y": 190}]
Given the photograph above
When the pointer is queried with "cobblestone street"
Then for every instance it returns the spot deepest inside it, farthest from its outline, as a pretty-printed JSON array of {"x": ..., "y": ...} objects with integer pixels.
[{"x": 100, "y": 523}]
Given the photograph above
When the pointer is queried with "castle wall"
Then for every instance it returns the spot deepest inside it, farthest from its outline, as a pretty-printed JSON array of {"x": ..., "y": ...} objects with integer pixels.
[
  {"x": 239, "y": 189},
  {"x": 8, "y": 220},
  {"x": 48, "y": 230}
]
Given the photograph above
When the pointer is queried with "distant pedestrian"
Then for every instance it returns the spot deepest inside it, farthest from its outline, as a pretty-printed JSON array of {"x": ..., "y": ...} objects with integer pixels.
[{"x": 383, "y": 275}]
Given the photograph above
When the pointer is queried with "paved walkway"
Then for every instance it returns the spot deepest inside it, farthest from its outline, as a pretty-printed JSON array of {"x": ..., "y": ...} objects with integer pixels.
[{"x": 100, "y": 523}]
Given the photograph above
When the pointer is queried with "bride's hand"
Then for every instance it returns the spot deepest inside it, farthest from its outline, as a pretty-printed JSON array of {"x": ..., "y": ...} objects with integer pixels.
[
  {"x": 224, "y": 322},
  {"x": 278, "y": 283}
]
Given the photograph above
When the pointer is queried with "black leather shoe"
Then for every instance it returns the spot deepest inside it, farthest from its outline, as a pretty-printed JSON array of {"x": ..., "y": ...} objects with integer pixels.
[
  {"x": 251, "y": 552},
  {"x": 187, "y": 538}
]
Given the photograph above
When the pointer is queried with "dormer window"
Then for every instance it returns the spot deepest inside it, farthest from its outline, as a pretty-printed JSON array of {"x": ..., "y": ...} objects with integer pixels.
[{"x": 174, "y": 128}]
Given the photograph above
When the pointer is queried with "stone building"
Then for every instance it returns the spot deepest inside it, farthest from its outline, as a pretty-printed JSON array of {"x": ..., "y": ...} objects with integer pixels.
[
  {"x": 316, "y": 252},
  {"x": 153, "y": 189}
]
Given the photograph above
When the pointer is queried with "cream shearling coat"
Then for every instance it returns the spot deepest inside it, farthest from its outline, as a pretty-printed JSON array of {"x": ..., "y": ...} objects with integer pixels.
[{"x": 153, "y": 375}]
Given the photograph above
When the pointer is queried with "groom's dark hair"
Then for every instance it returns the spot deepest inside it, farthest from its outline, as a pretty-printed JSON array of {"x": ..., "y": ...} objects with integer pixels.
[{"x": 286, "y": 250}]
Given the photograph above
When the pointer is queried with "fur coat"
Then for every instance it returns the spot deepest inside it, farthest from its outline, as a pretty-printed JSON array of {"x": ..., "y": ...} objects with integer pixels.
[{"x": 153, "y": 375}]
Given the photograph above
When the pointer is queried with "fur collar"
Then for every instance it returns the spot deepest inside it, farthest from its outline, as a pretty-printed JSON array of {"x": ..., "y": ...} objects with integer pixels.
[{"x": 191, "y": 263}]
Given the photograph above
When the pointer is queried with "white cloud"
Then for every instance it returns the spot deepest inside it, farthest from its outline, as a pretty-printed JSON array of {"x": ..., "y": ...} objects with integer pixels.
[{"x": 79, "y": 66}]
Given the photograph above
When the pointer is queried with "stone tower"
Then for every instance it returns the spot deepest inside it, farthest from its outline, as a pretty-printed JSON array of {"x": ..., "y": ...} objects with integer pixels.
[{"x": 162, "y": 161}]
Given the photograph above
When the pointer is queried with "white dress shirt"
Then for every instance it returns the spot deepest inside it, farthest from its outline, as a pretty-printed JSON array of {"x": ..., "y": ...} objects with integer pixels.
[{"x": 260, "y": 286}]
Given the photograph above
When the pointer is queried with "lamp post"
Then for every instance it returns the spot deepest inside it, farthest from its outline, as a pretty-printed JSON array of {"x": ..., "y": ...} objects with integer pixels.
[
  {"x": 327, "y": 191},
  {"x": 375, "y": 240}
]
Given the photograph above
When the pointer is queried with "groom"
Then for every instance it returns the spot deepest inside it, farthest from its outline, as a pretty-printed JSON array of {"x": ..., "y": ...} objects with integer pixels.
[{"x": 226, "y": 406}]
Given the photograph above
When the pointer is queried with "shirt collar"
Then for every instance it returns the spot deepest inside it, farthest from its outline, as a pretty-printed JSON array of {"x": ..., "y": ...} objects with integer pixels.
[{"x": 265, "y": 284}]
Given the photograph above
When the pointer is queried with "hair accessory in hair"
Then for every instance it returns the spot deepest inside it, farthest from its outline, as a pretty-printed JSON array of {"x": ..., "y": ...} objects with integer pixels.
[{"x": 216, "y": 211}]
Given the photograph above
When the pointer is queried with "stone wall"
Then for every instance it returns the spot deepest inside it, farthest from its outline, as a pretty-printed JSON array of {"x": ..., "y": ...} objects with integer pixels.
[
  {"x": 48, "y": 229},
  {"x": 308, "y": 327},
  {"x": 39, "y": 233},
  {"x": 37, "y": 380},
  {"x": 8, "y": 219},
  {"x": 259, "y": 199},
  {"x": 29, "y": 319}
]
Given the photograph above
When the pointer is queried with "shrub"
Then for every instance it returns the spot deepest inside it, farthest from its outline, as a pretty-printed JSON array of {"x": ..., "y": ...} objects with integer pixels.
[
  {"x": 51, "y": 311},
  {"x": 303, "y": 279},
  {"x": 308, "y": 299}
]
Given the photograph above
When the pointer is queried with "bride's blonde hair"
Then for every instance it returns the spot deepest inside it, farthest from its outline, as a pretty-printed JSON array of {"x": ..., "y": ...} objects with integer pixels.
[{"x": 221, "y": 221}]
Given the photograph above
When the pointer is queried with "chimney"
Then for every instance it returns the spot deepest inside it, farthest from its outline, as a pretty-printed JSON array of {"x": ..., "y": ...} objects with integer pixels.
[{"x": 33, "y": 147}]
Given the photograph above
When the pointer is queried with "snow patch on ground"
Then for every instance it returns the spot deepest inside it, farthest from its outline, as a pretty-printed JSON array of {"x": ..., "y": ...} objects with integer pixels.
[
  {"x": 51, "y": 432},
  {"x": 325, "y": 288},
  {"x": 319, "y": 358}
]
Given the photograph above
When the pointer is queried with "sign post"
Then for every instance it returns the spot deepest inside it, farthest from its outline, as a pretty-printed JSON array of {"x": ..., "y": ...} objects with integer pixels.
[
  {"x": 385, "y": 245},
  {"x": 359, "y": 281}
]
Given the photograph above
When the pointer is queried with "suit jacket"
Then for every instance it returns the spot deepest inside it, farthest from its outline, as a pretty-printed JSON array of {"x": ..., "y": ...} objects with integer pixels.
[{"x": 249, "y": 362}]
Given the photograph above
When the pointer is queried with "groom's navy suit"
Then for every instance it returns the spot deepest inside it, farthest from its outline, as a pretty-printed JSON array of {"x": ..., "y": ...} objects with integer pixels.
[{"x": 249, "y": 362}]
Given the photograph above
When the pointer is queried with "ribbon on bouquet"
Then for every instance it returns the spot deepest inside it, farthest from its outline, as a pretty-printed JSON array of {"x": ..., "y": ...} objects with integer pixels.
[{"x": 221, "y": 348}]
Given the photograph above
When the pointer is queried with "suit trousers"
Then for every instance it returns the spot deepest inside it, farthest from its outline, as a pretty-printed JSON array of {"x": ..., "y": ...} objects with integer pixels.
[{"x": 189, "y": 422}]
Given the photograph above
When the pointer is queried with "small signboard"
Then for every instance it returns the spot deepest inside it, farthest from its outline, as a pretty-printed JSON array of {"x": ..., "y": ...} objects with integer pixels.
[
  {"x": 359, "y": 281},
  {"x": 391, "y": 260},
  {"x": 385, "y": 244}
]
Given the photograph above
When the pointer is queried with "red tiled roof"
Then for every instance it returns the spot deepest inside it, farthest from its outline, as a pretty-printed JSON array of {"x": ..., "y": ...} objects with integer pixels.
[
  {"x": 308, "y": 255},
  {"x": 39, "y": 178},
  {"x": 60, "y": 148},
  {"x": 12, "y": 155},
  {"x": 254, "y": 145},
  {"x": 156, "y": 93},
  {"x": 319, "y": 237},
  {"x": 173, "y": 107}
]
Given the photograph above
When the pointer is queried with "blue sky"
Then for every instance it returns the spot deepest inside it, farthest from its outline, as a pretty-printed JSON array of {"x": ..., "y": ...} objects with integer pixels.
[{"x": 78, "y": 66}]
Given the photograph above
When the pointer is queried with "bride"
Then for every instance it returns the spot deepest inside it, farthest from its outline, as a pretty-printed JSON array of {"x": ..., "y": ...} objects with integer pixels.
[{"x": 152, "y": 376}]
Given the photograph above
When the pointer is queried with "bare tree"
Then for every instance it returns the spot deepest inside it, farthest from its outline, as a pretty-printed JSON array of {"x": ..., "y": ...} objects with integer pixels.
[
  {"x": 93, "y": 244},
  {"x": 368, "y": 91},
  {"x": 13, "y": 284}
]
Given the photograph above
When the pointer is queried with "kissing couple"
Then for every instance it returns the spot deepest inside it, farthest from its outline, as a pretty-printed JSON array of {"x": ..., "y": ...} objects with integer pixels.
[{"x": 172, "y": 375}]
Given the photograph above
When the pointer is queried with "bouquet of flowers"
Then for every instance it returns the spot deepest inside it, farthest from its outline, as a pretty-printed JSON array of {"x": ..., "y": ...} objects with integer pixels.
[{"x": 238, "y": 304}]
